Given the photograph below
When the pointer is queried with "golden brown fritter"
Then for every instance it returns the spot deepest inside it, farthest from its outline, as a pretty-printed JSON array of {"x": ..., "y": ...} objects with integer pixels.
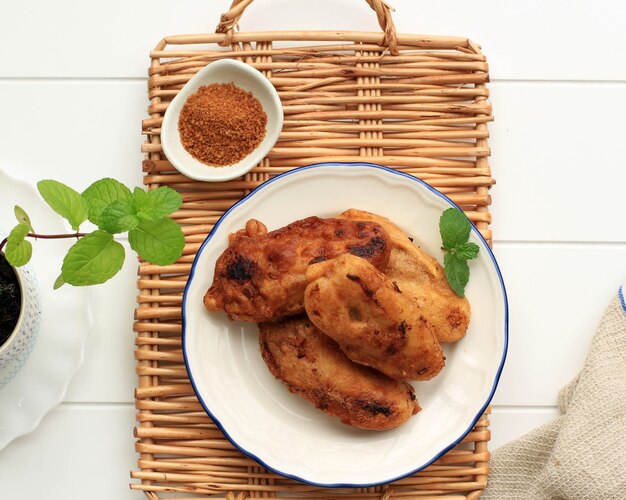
[
  {"x": 373, "y": 322},
  {"x": 260, "y": 276},
  {"x": 419, "y": 276},
  {"x": 311, "y": 365}
]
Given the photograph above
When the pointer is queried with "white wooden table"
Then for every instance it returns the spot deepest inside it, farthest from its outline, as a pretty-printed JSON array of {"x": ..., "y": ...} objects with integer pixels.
[{"x": 73, "y": 86}]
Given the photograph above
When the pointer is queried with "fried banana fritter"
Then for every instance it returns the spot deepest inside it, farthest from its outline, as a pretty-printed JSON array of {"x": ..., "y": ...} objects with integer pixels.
[
  {"x": 419, "y": 276},
  {"x": 311, "y": 365},
  {"x": 373, "y": 322},
  {"x": 260, "y": 276}
]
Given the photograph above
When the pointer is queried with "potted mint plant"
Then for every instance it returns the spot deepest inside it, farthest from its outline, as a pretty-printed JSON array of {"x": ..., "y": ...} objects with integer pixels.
[{"x": 94, "y": 258}]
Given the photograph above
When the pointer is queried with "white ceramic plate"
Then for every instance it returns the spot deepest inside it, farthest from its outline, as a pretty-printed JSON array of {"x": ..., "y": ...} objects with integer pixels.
[
  {"x": 287, "y": 434},
  {"x": 41, "y": 383}
]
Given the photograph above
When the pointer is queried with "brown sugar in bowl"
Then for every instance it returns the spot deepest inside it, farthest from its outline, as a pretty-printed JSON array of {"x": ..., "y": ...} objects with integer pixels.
[
  {"x": 246, "y": 80},
  {"x": 221, "y": 124}
]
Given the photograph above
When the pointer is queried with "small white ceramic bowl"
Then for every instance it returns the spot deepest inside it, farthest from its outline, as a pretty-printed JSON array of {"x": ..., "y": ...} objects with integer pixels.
[{"x": 244, "y": 77}]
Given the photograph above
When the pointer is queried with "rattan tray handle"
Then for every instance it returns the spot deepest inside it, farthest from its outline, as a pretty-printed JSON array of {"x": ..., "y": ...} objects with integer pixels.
[{"x": 229, "y": 20}]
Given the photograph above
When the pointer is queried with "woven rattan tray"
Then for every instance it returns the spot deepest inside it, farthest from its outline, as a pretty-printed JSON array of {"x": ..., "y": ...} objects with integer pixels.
[{"x": 411, "y": 102}]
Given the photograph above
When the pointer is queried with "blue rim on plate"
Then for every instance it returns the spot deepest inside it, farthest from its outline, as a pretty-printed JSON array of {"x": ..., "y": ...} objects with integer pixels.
[{"x": 439, "y": 454}]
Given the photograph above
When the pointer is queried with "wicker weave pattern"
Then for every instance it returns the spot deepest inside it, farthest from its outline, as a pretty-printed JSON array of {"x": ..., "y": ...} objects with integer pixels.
[{"x": 346, "y": 98}]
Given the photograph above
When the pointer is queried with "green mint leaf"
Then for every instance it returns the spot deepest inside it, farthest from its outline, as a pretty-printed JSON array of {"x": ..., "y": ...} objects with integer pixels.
[
  {"x": 18, "y": 250},
  {"x": 18, "y": 233},
  {"x": 156, "y": 204},
  {"x": 101, "y": 194},
  {"x": 59, "y": 282},
  {"x": 92, "y": 260},
  {"x": 119, "y": 216},
  {"x": 22, "y": 217},
  {"x": 160, "y": 242},
  {"x": 64, "y": 201},
  {"x": 467, "y": 251},
  {"x": 19, "y": 254},
  {"x": 139, "y": 195},
  {"x": 454, "y": 227},
  {"x": 457, "y": 273}
]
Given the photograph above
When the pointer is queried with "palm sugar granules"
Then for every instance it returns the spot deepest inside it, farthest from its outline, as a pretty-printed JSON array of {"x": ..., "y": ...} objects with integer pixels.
[{"x": 221, "y": 124}]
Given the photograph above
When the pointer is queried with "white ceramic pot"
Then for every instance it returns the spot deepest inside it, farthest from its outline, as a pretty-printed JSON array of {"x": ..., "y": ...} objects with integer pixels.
[{"x": 17, "y": 348}]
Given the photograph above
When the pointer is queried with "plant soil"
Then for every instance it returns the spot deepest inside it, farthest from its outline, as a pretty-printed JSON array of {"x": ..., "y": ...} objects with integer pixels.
[{"x": 10, "y": 299}]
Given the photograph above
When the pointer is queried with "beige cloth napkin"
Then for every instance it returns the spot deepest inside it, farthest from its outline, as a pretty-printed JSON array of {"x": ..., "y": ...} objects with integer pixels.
[{"x": 582, "y": 454}]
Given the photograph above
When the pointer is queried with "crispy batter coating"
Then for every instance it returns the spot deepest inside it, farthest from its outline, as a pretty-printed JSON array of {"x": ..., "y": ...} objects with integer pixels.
[
  {"x": 260, "y": 276},
  {"x": 373, "y": 322},
  {"x": 419, "y": 276},
  {"x": 311, "y": 365}
]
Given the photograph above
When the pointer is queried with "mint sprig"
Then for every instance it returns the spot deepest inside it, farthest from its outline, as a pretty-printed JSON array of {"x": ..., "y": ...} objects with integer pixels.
[
  {"x": 455, "y": 228},
  {"x": 114, "y": 208}
]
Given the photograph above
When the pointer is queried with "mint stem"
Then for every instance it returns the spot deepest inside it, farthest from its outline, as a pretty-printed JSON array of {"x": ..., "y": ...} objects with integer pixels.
[
  {"x": 46, "y": 237},
  {"x": 56, "y": 236}
]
